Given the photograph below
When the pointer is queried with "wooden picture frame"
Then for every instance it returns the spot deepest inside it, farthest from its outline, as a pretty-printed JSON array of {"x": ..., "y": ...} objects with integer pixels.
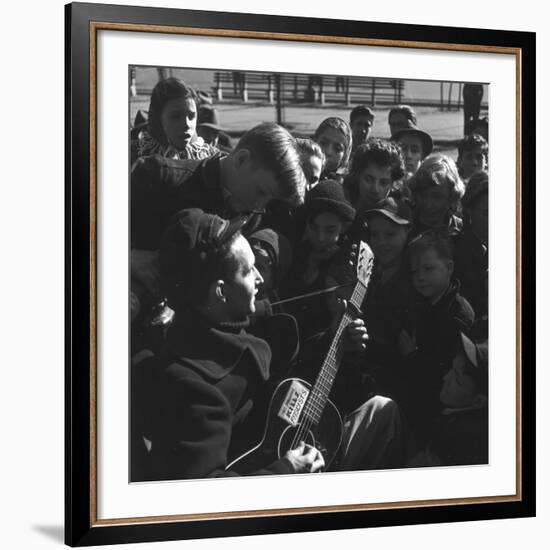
[{"x": 83, "y": 24}]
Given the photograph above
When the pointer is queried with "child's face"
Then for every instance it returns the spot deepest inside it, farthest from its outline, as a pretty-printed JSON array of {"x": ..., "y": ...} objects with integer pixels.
[
  {"x": 251, "y": 184},
  {"x": 387, "y": 239},
  {"x": 459, "y": 389},
  {"x": 479, "y": 218},
  {"x": 471, "y": 162},
  {"x": 375, "y": 183},
  {"x": 323, "y": 233},
  {"x": 397, "y": 122},
  {"x": 411, "y": 145},
  {"x": 433, "y": 204},
  {"x": 179, "y": 121},
  {"x": 333, "y": 144},
  {"x": 431, "y": 274},
  {"x": 312, "y": 167},
  {"x": 265, "y": 267},
  {"x": 360, "y": 129}
]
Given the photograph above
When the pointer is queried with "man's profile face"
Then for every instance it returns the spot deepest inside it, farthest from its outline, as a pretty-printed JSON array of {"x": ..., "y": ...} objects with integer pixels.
[{"x": 240, "y": 291}]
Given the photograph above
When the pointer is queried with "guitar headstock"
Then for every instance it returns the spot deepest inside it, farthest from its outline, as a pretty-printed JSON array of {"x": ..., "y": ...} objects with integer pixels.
[{"x": 365, "y": 263}]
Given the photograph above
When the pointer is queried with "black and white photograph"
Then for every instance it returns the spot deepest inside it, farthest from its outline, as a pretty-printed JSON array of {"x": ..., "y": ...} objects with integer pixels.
[
  {"x": 309, "y": 273},
  {"x": 287, "y": 317}
]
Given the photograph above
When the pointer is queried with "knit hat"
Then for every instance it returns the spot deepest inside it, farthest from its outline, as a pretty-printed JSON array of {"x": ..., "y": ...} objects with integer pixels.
[
  {"x": 277, "y": 247},
  {"x": 425, "y": 138},
  {"x": 187, "y": 244},
  {"x": 328, "y": 196},
  {"x": 397, "y": 211}
]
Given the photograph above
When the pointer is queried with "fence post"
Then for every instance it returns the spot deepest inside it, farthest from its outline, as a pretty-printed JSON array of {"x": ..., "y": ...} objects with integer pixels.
[
  {"x": 244, "y": 88},
  {"x": 219, "y": 89},
  {"x": 347, "y": 94},
  {"x": 295, "y": 87},
  {"x": 133, "y": 89},
  {"x": 373, "y": 93},
  {"x": 279, "y": 107},
  {"x": 321, "y": 91},
  {"x": 269, "y": 90}
]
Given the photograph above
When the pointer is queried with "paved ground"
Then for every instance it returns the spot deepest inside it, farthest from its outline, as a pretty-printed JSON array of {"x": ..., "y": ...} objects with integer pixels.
[{"x": 443, "y": 126}]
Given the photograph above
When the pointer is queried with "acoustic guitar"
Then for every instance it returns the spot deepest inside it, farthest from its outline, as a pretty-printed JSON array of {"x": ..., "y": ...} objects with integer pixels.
[{"x": 297, "y": 410}]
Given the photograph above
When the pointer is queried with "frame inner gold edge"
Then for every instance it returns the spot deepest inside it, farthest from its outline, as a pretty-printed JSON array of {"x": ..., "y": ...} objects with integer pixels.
[
  {"x": 98, "y": 25},
  {"x": 349, "y": 40}
]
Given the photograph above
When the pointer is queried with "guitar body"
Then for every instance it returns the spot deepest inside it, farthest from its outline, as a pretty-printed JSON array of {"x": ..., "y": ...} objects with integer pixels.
[{"x": 287, "y": 425}]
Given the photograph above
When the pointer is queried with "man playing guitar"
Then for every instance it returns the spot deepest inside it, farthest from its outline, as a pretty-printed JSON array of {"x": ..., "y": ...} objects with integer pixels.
[{"x": 202, "y": 392}]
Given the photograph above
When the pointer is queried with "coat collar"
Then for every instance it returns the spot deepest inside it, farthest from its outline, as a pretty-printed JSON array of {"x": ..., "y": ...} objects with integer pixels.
[{"x": 215, "y": 351}]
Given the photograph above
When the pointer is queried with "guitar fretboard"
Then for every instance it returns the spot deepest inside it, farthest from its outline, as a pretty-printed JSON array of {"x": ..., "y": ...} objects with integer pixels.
[{"x": 319, "y": 394}]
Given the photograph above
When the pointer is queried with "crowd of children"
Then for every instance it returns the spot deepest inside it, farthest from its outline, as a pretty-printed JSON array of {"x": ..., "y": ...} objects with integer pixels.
[{"x": 306, "y": 203}]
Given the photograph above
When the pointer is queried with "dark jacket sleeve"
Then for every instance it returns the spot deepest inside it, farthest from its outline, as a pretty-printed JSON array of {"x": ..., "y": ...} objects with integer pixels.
[{"x": 193, "y": 430}]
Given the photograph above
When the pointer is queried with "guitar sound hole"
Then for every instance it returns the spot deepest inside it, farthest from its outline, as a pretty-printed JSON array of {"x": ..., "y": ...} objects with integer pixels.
[{"x": 287, "y": 439}]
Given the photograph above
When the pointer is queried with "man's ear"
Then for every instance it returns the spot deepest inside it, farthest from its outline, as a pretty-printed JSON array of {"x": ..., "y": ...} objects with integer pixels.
[
  {"x": 451, "y": 266},
  {"x": 219, "y": 290}
]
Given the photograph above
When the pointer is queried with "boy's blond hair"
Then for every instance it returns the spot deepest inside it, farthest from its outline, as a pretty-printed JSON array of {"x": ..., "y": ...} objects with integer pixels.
[{"x": 437, "y": 169}]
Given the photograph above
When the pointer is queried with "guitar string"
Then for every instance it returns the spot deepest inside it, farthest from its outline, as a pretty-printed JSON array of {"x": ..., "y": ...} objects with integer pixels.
[
  {"x": 319, "y": 398},
  {"x": 316, "y": 395},
  {"x": 356, "y": 300}
]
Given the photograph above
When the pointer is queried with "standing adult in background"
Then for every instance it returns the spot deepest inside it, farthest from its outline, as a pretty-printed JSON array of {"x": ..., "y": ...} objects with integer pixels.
[
  {"x": 171, "y": 129},
  {"x": 472, "y": 94}
]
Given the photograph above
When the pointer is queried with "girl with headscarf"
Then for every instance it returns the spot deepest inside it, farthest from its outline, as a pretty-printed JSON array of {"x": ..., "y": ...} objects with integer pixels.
[
  {"x": 334, "y": 137},
  {"x": 171, "y": 129}
]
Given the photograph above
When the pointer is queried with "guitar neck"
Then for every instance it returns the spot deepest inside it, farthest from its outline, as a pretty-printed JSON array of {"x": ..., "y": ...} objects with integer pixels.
[{"x": 319, "y": 394}]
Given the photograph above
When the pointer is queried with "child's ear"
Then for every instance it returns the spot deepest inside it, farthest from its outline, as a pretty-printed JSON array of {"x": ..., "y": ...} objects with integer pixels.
[{"x": 241, "y": 157}]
